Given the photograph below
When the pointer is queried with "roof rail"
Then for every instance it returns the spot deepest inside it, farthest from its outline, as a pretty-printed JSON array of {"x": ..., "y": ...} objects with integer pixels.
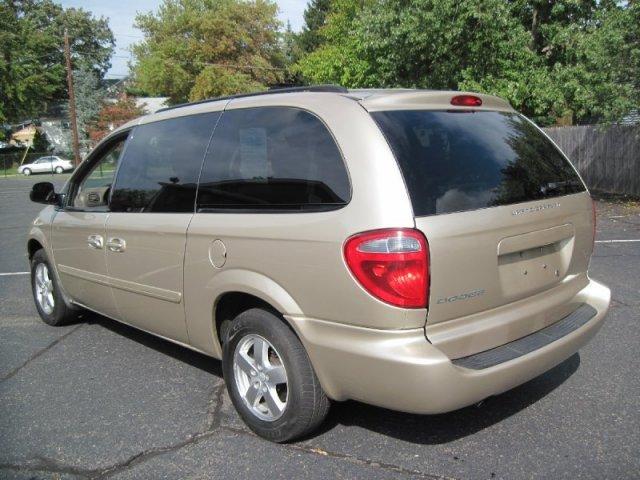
[{"x": 308, "y": 88}]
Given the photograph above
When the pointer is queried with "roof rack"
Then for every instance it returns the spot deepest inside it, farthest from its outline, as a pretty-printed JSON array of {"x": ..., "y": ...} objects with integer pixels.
[{"x": 307, "y": 88}]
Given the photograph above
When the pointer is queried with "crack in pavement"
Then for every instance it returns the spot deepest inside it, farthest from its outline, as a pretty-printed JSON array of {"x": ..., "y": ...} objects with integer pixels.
[
  {"x": 347, "y": 457},
  {"x": 214, "y": 419},
  {"x": 39, "y": 353},
  {"x": 48, "y": 465},
  {"x": 151, "y": 453},
  {"x": 44, "y": 464},
  {"x": 212, "y": 426}
]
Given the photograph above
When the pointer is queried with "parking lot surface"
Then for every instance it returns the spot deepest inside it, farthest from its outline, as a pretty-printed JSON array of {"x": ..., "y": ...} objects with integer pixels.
[{"x": 101, "y": 400}]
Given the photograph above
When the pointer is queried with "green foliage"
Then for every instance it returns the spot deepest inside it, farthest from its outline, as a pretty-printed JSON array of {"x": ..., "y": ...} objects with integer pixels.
[
  {"x": 90, "y": 96},
  {"x": 32, "y": 71},
  {"x": 314, "y": 19},
  {"x": 549, "y": 59},
  {"x": 291, "y": 50},
  {"x": 215, "y": 81},
  {"x": 195, "y": 49},
  {"x": 40, "y": 142},
  {"x": 339, "y": 58}
]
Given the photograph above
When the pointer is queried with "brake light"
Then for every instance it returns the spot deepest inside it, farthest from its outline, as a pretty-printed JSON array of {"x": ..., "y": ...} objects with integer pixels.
[
  {"x": 392, "y": 265},
  {"x": 466, "y": 101}
]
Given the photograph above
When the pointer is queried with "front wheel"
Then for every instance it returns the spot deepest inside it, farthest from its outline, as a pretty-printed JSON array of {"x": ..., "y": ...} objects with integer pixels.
[
  {"x": 46, "y": 292},
  {"x": 59, "y": 170},
  {"x": 270, "y": 379},
  {"x": 26, "y": 171}
]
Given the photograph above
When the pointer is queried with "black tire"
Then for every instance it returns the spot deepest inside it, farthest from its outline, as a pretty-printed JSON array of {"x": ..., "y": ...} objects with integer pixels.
[
  {"x": 59, "y": 170},
  {"x": 306, "y": 403},
  {"x": 61, "y": 313},
  {"x": 26, "y": 171}
]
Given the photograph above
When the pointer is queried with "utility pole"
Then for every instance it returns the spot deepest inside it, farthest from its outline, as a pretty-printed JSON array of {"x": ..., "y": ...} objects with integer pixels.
[{"x": 72, "y": 101}]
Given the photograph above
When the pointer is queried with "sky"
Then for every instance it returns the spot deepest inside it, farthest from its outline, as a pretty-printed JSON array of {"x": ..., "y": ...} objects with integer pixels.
[{"x": 121, "y": 14}]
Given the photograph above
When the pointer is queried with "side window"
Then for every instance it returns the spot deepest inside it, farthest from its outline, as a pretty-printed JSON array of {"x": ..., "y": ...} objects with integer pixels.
[
  {"x": 273, "y": 158},
  {"x": 93, "y": 190},
  {"x": 160, "y": 168}
]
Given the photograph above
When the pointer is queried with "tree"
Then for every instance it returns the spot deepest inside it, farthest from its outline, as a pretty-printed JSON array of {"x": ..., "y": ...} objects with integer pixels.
[
  {"x": 338, "y": 58},
  {"x": 591, "y": 50},
  {"x": 90, "y": 95},
  {"x": 31, "y": 53},
  {"x": 40, "y": 142},
  {"x": 315, "y": 16},
  {"x": 113, "y": 115},
  {"x": 549, "y": 59},
  {"x": 194, "y": 49},
  {"x": 384, "y": 43}
]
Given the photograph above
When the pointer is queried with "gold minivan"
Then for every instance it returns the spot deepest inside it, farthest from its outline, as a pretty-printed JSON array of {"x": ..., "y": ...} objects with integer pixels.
[{"x": 416, "y": 250}]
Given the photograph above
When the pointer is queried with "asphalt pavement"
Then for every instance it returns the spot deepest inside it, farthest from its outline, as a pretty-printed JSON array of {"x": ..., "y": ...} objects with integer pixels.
[{"x": 98, "y": 399}]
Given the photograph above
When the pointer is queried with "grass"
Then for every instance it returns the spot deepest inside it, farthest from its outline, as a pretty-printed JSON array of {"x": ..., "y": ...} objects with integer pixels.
[{"x": 9, "y": 172}]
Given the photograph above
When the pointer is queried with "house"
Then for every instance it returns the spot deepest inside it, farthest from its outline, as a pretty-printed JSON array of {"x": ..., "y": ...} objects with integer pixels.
[
  {"x": 151, "y": 104},
  {"x": 23, "y": 136}
]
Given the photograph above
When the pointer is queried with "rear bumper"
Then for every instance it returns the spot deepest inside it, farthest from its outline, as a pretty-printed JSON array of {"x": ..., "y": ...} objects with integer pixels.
[{"x": 401, "y": 370}]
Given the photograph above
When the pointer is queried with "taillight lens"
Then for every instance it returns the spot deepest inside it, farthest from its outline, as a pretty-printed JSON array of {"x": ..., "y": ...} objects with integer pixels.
[
  {"x": 392, "y": 265},
  {"x": 466, "y": 101}
]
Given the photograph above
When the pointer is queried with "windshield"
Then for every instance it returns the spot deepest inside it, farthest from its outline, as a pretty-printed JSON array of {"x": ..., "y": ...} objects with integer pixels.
[{"x": 455, "y": 161}]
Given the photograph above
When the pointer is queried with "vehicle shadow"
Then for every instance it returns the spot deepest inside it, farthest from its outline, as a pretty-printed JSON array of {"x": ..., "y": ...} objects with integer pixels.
[
  {"x": 182, "y": 354},
  {"x": 444, "y": 428},
  {"x": 419, "y": 429}
]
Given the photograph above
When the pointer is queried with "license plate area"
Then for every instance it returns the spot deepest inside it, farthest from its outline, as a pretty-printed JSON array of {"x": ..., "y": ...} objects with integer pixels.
[{"x": 534, "y": 261}]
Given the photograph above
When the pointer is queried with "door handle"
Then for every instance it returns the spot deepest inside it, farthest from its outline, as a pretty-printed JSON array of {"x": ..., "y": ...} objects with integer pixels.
[
  {"x": 95, "y": 241},
  {"x": 116, "y": 245}
]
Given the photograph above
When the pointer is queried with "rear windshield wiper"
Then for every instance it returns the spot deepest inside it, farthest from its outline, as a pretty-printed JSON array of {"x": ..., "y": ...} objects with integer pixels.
[{"x": 551, "y": 188}]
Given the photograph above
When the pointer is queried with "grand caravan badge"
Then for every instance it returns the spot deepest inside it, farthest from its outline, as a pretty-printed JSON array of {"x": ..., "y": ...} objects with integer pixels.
[
  {"x": 537, "y": 208},
  {"x": 462, "y": 296}
]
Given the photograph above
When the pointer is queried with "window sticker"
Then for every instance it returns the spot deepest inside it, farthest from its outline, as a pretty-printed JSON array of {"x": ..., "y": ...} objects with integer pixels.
[{"x": 253, "y": 154}]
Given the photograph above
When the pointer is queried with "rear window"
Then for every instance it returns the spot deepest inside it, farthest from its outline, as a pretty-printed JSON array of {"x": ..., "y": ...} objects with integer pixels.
[{"x": 459, "y": 161}]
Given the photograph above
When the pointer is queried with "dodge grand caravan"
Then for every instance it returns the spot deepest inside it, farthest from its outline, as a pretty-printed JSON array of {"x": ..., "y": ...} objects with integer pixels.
[{"x": 416, "y": 250}]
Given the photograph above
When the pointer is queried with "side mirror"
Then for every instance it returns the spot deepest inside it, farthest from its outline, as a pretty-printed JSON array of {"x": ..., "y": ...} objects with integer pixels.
[{"x": 43, "y": 192}]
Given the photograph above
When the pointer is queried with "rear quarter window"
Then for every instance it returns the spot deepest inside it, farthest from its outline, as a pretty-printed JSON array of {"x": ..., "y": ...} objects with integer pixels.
[
  {"x": 455, "y": 161},
  {"x": 272, "y": 158}
]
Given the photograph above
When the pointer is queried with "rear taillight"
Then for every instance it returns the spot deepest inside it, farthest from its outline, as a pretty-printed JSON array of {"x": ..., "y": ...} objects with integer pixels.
[{"x": 392, "y": 265}]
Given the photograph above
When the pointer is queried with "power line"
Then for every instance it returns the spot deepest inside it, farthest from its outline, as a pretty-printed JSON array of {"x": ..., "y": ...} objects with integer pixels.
[
  {"x": 127, "y": 35},
  {"x": 249, "y": 67}
]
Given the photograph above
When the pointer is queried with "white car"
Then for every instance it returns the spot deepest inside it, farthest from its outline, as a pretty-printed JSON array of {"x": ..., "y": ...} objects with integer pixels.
[{"x": 50, "y": 164}]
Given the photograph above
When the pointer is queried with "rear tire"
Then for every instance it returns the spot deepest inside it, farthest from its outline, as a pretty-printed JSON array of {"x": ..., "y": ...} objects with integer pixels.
[
  {"x": 26, "y": 171},
  {"x": 48, "y": 298},
  {"x": 294, "y": 407}
]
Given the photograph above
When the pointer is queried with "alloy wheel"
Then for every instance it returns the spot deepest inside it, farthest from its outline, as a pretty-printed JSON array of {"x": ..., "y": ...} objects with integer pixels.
[
  {"x": 260, "y": 377},
  {"x": 44, "y": 289}
]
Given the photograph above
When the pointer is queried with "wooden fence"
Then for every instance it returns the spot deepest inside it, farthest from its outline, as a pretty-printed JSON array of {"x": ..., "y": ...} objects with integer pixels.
[{"x": 608, "y": 158}]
